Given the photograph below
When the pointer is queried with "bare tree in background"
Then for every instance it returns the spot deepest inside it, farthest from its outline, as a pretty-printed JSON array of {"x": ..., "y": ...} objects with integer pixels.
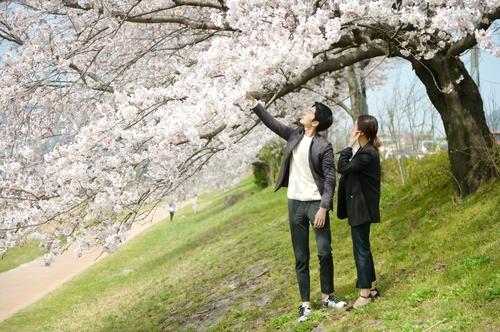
[
  {"x": 390, "y": 117},
  {"x": 406, "y": 114},
  {"x": 492, "y": 112}
]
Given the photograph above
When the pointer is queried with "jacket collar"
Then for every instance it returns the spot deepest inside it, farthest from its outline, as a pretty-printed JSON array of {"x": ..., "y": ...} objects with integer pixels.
[{"x": 303, "y": 132}]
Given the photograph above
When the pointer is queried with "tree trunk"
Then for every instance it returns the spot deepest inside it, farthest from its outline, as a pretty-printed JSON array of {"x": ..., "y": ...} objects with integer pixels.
[
  {"x": 357, "y": 92},
  {"x": 457, "y": 99}
]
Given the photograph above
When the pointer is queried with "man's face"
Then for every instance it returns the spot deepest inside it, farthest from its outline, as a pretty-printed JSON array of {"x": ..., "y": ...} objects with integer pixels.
[{"x": 307, "y": 119}]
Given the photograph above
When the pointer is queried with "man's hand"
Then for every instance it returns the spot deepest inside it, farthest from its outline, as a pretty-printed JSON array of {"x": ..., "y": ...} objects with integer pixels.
[
  {"x": 319, "y": 220},
  {"x": 249, "y": 98},
  {"x": 246, "y": 102}
]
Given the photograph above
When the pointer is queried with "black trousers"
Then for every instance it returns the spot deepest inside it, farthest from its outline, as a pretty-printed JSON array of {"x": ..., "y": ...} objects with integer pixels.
[
  {"x": 363, "y": 255},
  {"x": 301, "y": 214}
]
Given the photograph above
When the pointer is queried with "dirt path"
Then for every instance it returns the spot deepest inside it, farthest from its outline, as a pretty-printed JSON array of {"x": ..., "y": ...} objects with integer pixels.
[{"x": 28, "y": 282}]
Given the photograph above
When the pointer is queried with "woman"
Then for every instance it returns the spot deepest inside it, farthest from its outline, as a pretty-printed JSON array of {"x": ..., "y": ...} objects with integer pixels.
[{"x": 358, "y": 200}]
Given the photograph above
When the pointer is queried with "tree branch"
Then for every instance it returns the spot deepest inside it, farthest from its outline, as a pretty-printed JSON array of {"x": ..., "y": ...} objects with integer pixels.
[
  {"x": 8, "y": 35},
  {"x": 195, "y": 3},
  {"x": 105, "y": 87},
  {"x": 213, "y": 133},
  {"x": 173, "y": 19},
  {"x": 470, "y": 40},
  {"x": 376, "y": 49},
  {"x": 138, "y": 18}
]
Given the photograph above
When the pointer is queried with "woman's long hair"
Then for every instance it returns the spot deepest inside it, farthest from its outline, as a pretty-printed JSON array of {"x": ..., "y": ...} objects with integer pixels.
[{"x": 368, "y": 125}]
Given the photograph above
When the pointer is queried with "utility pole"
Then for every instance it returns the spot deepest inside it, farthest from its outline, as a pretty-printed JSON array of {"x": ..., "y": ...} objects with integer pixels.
[{"x": 474, "y": 65}]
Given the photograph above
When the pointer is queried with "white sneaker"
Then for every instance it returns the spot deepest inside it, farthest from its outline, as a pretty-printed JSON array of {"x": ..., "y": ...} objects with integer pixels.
[
  {"x": 333, "y": 302},
  {"x": 304, "y": 313}
]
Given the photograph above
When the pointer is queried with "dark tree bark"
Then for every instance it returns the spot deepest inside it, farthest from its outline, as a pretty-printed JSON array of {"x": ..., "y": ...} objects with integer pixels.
[{"x": 457, "y": 99}]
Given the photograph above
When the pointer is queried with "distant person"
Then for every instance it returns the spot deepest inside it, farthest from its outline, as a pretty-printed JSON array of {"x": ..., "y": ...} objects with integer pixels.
[
  {"x": 358, "y": 200},
  {"x": 194, "y": 204},
  {"x": 308, "y": 170},
  {"x": 171, "y": 210}
]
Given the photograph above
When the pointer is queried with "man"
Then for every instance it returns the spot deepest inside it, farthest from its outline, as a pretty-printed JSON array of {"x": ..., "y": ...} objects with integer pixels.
[{"x": 308, "y": 170}]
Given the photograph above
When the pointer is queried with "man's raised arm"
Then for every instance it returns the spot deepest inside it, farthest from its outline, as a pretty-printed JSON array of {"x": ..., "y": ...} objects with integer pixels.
[
  {"x": 279, "y": 128},
  {"x": 249, "y": 101}
]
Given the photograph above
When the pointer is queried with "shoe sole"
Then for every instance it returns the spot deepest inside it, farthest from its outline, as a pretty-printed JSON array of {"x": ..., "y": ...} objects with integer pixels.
[{"x": 336, "y": 306}]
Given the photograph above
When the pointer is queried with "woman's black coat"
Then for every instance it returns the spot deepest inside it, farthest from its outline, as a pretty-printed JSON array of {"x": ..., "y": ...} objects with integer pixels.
[{"x": 359, "y": 185}]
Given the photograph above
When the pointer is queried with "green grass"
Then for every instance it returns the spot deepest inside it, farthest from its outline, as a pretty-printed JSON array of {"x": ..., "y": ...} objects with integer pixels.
[
  {"x": 20, "y": 255},
  {"x": 232, "y": 268}
]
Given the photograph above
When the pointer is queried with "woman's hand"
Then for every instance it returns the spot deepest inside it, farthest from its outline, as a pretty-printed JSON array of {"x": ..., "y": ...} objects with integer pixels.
[
  {"x": 354, "y": 135},
  {"x": 319, "y": 219}
]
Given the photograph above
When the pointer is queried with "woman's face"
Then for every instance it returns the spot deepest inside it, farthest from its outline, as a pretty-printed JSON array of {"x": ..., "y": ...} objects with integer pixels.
[{"x": 356, "y": 130}]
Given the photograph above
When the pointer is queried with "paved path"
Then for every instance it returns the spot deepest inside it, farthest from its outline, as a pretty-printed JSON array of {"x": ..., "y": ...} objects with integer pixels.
[{"x": 28, "y": 282}]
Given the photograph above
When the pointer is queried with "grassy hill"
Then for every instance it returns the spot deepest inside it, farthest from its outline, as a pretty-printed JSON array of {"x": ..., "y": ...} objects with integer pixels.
[
  {"x": 20, "y": 255},
  {"x": 231, "y": 268}
]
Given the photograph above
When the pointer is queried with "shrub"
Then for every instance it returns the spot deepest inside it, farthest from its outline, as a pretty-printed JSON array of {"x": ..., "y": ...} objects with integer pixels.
[{"x": 266, "y": 169}]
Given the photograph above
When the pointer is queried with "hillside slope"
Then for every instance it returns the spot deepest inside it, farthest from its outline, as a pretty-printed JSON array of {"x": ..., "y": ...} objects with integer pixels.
[{"x": 230, "y": 267}]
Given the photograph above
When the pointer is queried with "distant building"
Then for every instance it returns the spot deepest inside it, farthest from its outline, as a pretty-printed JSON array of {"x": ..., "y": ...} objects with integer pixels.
[
  {"x": 407, "y": 145},
  {"x": 497, "y": 136}
]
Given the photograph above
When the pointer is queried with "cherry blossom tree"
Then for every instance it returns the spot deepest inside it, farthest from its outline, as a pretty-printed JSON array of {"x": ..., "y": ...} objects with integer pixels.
[{"x": 110, "y": 106}]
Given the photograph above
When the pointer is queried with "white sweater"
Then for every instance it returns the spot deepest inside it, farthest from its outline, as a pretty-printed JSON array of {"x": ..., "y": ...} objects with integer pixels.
[{"x": 301, "y": 184}]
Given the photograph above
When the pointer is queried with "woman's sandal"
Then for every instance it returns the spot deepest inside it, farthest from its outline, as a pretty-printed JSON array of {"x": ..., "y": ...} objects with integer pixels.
[
  {"x": 377, "y": 294},
  {"x": 351, "y": 307}
]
